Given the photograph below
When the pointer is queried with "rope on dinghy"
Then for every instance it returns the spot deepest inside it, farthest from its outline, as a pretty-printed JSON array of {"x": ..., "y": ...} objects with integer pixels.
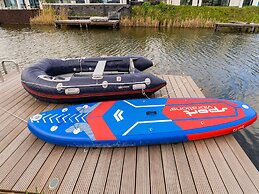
[{"x": 12, "y": 114}]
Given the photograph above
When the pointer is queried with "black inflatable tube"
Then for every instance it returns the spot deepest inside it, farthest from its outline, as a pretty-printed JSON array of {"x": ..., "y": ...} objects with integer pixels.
[{"x": 89, "y": 89}]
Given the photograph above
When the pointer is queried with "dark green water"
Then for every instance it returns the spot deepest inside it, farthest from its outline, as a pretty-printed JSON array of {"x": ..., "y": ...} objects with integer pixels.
[{"x": 224, "y": 65}]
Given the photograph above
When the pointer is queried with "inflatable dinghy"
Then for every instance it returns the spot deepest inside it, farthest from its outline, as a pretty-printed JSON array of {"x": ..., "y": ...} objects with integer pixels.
[
  {"x": 75, "y": 80},
  {"x": 141, "y": 122}
]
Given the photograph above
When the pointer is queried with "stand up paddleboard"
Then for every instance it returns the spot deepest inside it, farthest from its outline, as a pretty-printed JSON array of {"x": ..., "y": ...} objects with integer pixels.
[{"x": 140, "y": 122}]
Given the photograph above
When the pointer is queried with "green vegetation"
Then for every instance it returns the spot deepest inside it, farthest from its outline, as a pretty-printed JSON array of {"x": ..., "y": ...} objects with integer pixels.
[
  {"x": 188, "y": 16},
  {"x": 47, "y": 16},
  {"x": 163, "y": 15}
]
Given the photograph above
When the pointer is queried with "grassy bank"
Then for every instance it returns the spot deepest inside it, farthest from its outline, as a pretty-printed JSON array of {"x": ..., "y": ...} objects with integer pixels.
[
  {"x": 47, "y": 16},
  {"x": 168, "y": 16},
  {"x": 164, "y": 15}
]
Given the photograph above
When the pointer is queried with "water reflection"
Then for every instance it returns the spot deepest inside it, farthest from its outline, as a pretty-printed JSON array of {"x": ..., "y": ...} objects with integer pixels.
[{"x": 224, "y": 65}]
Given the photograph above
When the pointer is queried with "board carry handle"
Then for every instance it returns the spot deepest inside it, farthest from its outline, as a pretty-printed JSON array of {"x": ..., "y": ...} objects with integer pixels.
[{"x": 151, "y": 112}]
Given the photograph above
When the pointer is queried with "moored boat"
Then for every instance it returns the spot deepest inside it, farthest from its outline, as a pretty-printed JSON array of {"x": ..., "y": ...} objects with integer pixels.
[{"x": 77, "y": 80}]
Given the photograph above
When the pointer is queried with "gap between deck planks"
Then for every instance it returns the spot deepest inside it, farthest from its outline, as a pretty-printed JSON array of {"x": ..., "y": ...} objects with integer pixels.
[{"x": 217, "y": 165}]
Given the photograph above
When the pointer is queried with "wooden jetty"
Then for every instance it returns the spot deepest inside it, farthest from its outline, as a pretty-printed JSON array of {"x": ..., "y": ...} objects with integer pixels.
[
  {"x": 217, "y": 165},
  {"x": 85, "y": 23},
  {"x": 249, "y": 27}
]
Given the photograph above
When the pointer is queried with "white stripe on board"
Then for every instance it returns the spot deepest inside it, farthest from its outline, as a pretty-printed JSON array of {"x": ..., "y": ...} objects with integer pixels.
[
  {"x": 135, "y": 106},
  {"x": 144, "y": 122}
]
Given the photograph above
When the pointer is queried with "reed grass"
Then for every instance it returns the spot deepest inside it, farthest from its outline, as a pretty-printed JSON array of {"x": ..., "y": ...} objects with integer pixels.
[
  {"x": 167, "y": 23},
  {"x": 168, "y": 16},
  {"x": 48, "y": 15}
]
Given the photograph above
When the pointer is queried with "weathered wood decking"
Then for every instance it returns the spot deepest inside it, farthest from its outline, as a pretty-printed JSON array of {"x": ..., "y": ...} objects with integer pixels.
[
  {"x": 85, "y": 23},
  {"x": 217, "y": 165},
  {"x": 249, "y": 27}
]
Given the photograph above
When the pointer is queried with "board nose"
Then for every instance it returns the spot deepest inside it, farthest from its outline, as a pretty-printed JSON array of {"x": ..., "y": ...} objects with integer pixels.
[{"x": 248, "y": 110}]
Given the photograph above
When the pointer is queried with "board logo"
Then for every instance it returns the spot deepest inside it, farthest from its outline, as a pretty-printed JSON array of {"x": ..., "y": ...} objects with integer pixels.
[
  {"x": 118, "y": 115},
  {"x": 204, "y": 111},
  {"x": 193, "y": 110}
]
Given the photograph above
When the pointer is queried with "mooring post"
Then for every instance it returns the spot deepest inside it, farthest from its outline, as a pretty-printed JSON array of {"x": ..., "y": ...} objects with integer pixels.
[
  {"x": 253, "y": 29},
  {"x": 216, "y": 27},
  {"x": 1, "y": 76},
  {"x": 4, "y": 67},
  {"x": 57, "y": 25}
]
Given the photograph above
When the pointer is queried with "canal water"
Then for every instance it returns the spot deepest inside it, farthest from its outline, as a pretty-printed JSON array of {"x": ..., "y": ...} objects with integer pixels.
[{"x": 224, "y": 65}]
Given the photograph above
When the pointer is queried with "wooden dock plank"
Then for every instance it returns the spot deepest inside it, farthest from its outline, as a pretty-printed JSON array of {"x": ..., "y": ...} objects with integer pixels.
[
  {"x": 200, "y": 179},
  {"x": 8, "y": 89},
  {"x": 181, "y": 86},
  {"x": 7, "y": 102},
  {"x": 87, "y": 173},
  {"x": 10, "y": 83},
  {"x": 6, "y": 166},
  {"x": 9, "y": 181},
  {"x": 115, "y": 171},
  {"x": 11, "y": 108},
  {"x": 68, "y": 183},
  {"x": 223, "y": 168},
  {"x": 16, "y": 156},
  {"x": 30, "y": 172},
  {"x": 169, "y": 90},
  {"x": 188, "y": 87},
  {"x": 87, "y": 22},
  {"x": 237, "y": 169},
  {"x": 15, "y": 137},
  {"x": 221, "y": 143},
  {"x": 213, "y": 176},
  {"x": 17, "y": 126},
  {"x": 210, "y": 169},
  {"x": 26, "y": 163},
  {"x": 42, "y": 176},
  {"x": 243, "y": 159},
  {"x": 182, "y": 163},
  {"x": 9, "y": 121},
  {"x": 101, "y": 172},
  {"x": 142, "y": 175},
  {"x": 128, "y": 178},
  {"x": 198, "y": 172},
  {"x": 237, "y": 25},
  {"x": 60, "y": 170},
  {"x": 215, "y": 186},
  {"x": 157, "y": 181},
  {"x": 170, "y": 171},
  {"x": 177, "y": 90},
  {"x": 8, "y": 151},
  {"x": 183, "y": 168},
  {"x": 172, "y": 182}
]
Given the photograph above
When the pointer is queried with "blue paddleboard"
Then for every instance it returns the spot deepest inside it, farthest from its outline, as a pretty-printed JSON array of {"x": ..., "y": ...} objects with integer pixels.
[{"x": 140, "y": 122}]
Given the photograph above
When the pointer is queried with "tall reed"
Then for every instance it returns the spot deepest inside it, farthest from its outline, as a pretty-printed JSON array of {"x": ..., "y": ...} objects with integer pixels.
[
  {"x": 48, "y": 15},
  {"x": 167, "y": 23},
  {"x": 168, "y": 16}
]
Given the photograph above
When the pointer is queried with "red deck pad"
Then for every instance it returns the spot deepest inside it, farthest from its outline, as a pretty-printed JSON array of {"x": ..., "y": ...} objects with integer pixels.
[
  {"x": 101, "y": 109},
  {"x": 99, "y": 127},
  {"x": 220, "y": 132}
]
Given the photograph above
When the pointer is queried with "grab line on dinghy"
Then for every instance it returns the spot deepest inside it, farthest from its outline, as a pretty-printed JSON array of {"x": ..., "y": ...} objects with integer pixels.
[{"x": 80, "y": 86}]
